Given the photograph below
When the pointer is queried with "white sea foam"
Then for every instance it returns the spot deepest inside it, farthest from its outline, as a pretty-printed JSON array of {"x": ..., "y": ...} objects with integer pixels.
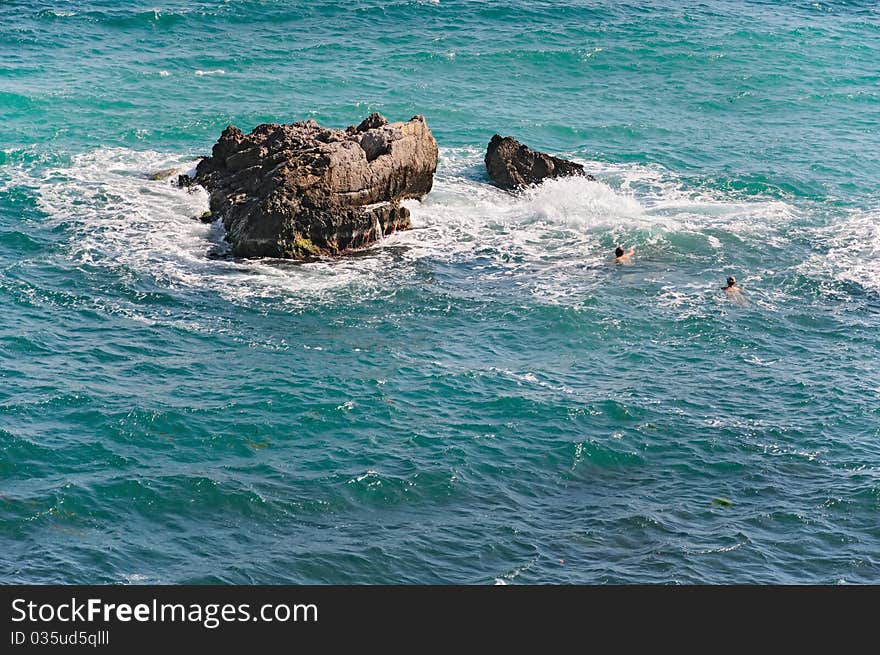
[
  {"x": 514, "y": 573},
  {"x": 467, "y": 216},
  {"x": 529, "y": 379},
  {"x": 119, "y": 215},
  {"x": 120, "y": 218},
  {"x": 850, "y": 250},
  {"x": 541, "y": 242},
  {"x": 544, "y": 238}
]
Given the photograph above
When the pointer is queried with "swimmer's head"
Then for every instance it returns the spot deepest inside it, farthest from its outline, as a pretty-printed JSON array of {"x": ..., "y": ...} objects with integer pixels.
[
  {"x": 618, "y": 252},
  {"x": 731, "y": 281}
]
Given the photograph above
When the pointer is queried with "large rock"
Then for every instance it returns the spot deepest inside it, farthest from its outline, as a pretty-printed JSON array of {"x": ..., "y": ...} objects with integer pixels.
[
  {"x": 303, "y": 190},
  {"x": 512, "y": 165}
]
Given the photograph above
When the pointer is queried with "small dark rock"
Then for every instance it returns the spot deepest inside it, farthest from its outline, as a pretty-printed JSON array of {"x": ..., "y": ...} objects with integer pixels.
[{"x": 512, "y": 165}]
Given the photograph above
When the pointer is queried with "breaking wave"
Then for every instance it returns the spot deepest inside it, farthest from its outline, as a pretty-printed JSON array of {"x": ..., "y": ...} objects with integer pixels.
[{"x": 544, "y": 240}]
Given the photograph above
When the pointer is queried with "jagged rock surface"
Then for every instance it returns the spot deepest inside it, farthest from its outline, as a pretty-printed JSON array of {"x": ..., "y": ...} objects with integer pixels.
[
  {"x": 512, "y": 165},
  {"x": 302, "y": 190}
]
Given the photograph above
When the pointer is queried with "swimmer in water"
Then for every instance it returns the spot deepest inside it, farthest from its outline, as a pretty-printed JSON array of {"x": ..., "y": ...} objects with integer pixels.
[
  {"x": 734, "y": 291},
  {"x": 622, "y": 257}
]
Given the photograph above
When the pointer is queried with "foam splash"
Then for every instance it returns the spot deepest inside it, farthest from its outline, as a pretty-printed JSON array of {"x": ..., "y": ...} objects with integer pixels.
[
  {"x": 118, "y": 214},
  {"x": 544, "y": 238},
  {"x": 466, "y": 215},
  {"x": 541, "y": 242},
  {"x": 121, "y": 219},
  {"x": 850, "y": 250},
  {"x": 54, "y": 14}
]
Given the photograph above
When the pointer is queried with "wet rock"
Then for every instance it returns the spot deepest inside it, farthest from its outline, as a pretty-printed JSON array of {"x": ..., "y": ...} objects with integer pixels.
[
  {"x": 302, "y": 190},
  {"x": 512, "y": 165}
]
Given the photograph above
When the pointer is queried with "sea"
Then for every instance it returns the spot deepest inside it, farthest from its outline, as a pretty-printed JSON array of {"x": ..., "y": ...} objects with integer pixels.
[{"x": 486, "y": 398}]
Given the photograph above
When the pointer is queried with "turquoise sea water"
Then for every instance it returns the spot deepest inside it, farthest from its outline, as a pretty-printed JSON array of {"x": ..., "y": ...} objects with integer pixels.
[{"x": 485, "y": 398}]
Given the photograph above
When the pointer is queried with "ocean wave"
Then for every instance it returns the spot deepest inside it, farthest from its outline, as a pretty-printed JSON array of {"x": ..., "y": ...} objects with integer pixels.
[
  {"x": 848, "y": 250},
  {"x": 55, "y": 13},
  {"x": 545, "y": 237},
  {"x": 119, "y": 218},
  {"x": 542, "y": 241}
]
